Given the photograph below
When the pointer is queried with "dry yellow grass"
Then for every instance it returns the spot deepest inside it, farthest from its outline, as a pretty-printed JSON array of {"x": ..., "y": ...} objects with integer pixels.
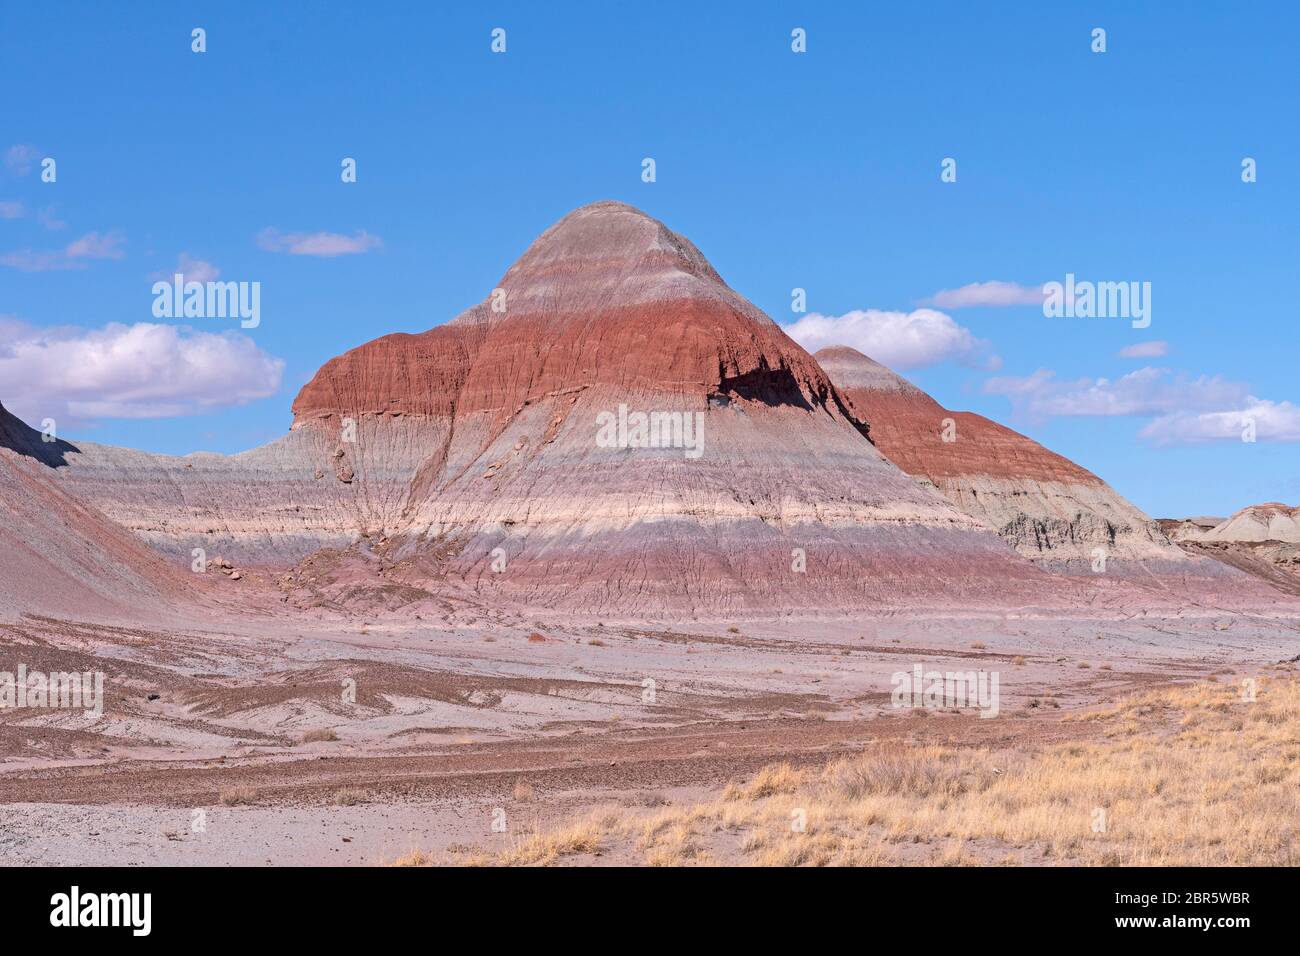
[
  {"x": 778, "y": 778},
  {"x": 237, "y": 796},
  {"x": 547, "y": 847},
  {"x": 351, "y": 796},
  {"x": 1195, "y": 775},
  {"x": 320, "y": 735},
  {"x": 414, "y": 858}
]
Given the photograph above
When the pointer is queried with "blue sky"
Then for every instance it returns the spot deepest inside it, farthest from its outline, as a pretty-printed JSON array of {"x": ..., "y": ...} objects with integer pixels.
[{"x": 817, "y": 170}]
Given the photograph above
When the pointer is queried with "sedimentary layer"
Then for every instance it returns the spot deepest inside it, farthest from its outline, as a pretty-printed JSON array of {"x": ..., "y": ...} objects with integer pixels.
[
  {"x": 473, "y": 456},
  {"x": 59, "y": 555},
  {"x": 1048, "y": 508}
]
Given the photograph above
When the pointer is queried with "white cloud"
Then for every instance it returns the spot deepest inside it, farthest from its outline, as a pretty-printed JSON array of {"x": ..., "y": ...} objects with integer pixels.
[
  {"x": 1147, "y": 391},
  {"x": 1183, "y": 410},
  {"x": 90, "y": 246},
  {"x": 94, "y": 246},
  {"x": 194, "y": 270},
  {"x": 992, "y": 293},
  {"x": 129, "y": 371},
  {"x": 20, "y": 158},
  {"x": 11, "y": 209},
  {"x": 1273, "y": 421},
  {"x": 1156, "y": 348},
  {"x": 26, "y": 260},
  {"x": 901, "y": 340},
  {"x": 324, "y": 244}
]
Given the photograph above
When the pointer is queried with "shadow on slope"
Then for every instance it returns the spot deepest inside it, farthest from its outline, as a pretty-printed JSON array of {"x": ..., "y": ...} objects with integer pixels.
[{"x": 20, "y": 438}]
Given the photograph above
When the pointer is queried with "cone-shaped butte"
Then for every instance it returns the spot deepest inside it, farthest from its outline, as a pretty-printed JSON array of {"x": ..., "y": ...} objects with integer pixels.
[
  {"x": 778, "y": 502},
  {"x": 612, "y": 430}
]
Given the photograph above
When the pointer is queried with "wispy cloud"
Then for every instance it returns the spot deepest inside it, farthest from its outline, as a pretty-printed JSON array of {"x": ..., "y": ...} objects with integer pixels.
[
  {"x": 144, "y": 370},
  {"x": 11, "y": 209},
  {"x": 901, "y": 340},
  {"x": 94, "y": 246},
  {"x": 194, "y": 270},
  {"x": 1156, "y": 348},
  {"x": 1183, "y": 410},
  {"x": 25, "y": 260},
  {"x": 992, "y": 293},
  {"x": 91, "y": 246},
  {"x": 21, "y": 157},
  {"x": 323, "y": 244},
  {"x": 1271, "y": 421},
  {"x": 1147, "y": 391}
]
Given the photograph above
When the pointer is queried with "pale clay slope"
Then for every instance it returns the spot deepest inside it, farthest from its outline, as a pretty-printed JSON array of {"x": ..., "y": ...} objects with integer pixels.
[
  {"x": 1188, "y": 529},
  {"x": 1272, "y": 521},
  {"x": 59, "y": 555}
]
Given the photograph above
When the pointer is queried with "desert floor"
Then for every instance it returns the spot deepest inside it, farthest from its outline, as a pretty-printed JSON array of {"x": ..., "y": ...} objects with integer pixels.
[{"x": 264, "y": 740}]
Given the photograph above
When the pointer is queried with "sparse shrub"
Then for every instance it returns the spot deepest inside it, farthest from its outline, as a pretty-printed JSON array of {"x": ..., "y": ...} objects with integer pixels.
[
  {"x": 777, "y": 778},
  {"x": 237, "y": 796},
  {"x": 648, "y": 798},
  {"x": 414, "y": 858},
  {"x": 923, "y": 772},
  {"x": 320, "y": 735},
  {"x": 351, "y": 796},
  {"x": 546, "y": 848}
]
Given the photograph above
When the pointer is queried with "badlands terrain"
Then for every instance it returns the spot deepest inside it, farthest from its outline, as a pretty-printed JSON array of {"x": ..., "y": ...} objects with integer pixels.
[{"x": 443, "y": 620}]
